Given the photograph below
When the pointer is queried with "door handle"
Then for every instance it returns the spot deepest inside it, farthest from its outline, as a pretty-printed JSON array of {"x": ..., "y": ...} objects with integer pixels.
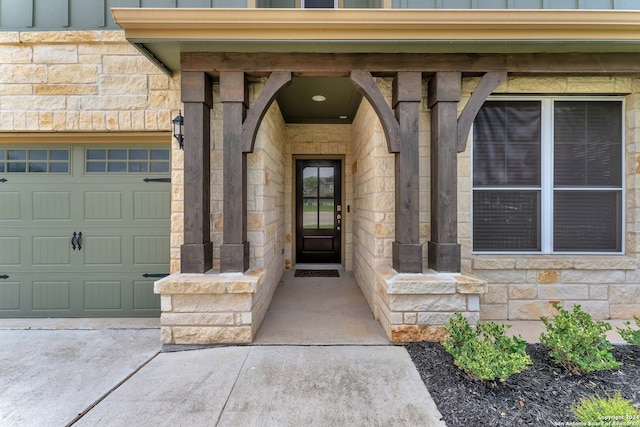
[
  {"x": 74, "y": 240},
  {"x": 79, "y": 241},
  {"x": 4, "y": 276}
]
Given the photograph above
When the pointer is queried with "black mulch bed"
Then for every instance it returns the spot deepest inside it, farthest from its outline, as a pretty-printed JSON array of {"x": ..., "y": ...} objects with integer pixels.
[{"x": 542, "y": 395}]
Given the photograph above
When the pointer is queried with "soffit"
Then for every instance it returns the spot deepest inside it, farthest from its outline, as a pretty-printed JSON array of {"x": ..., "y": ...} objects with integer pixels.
[{"x": 165, "y": 33}]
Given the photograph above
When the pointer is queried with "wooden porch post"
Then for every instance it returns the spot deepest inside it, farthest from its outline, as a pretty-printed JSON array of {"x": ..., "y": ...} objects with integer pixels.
[
  {"x": 444, "y": 94},
  {"x": 234, "y": 94},
  {"x": 197, "y": 251},
  {"x": 407, "y": 250}
]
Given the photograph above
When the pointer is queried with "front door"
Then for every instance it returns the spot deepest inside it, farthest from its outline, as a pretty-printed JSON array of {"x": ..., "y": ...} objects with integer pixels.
[{"x": 318, "y": 211}]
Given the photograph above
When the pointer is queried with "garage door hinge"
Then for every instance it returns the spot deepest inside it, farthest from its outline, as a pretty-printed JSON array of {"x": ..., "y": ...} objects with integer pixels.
[
  {"x": 155, "y": 274},
  {"x": 4, "y": 276},
  {"x": 157, "y": 180}
]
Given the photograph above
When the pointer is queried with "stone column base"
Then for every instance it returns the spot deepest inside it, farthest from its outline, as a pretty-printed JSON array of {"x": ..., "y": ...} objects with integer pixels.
[
  {"x": 208, "y": 308},
  {"x": 415, "y": 307}
]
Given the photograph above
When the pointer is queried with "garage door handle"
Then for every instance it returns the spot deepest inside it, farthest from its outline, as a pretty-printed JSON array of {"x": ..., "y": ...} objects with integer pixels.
[
  {"x": 155, "y": 274},
  {"x": 4, "y": 276},
  {"x": 3, "y": 179},
  {"x": 157, "y": 180},
  {"x": 79, "y": 241},
  {"x": 74, "y": 240}
]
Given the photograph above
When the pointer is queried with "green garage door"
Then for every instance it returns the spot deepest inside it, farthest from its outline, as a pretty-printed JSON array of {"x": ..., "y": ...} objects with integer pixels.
[{"x": 84, "y": 230}]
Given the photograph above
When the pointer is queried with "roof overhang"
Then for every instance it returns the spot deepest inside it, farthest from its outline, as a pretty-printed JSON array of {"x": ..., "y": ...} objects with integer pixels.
[{"x": 163, "y": 34}]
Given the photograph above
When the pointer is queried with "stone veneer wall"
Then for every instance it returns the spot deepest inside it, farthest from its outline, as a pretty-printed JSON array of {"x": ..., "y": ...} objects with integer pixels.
[
  {"x": 87, "y": 81},
  {"x": 373, "y": 203},
  {"x": 330, "y": 141},
  {"x": 525, "y": 286},
  {"x": 266, "y": 206}
]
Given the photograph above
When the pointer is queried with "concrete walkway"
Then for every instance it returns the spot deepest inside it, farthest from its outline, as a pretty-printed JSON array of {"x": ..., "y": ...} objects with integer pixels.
[{"x": 117, "y": 377}]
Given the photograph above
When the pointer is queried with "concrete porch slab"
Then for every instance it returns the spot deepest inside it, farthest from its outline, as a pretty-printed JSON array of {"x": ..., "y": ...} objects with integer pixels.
[{"x": 311, "y": 310}]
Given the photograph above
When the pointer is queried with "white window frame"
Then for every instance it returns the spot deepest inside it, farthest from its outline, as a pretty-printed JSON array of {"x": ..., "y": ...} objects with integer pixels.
[
  {"x": 546, "y": 178},
  {"x": 303, "y": 6}
]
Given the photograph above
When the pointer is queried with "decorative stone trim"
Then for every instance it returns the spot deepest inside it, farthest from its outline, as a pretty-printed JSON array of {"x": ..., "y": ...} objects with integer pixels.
[
  {"x": 209, "y": 308},
  {"x": 551, "y": 262},
  {"x": 415, "y": 307}
]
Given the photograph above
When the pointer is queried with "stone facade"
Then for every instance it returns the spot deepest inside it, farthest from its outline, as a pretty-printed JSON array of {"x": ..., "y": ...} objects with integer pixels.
[{"x": 95, "y": 81}]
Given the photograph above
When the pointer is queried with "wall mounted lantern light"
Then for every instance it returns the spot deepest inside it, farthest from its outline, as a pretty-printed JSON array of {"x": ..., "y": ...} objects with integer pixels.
[{"x": 178, "y": 123}]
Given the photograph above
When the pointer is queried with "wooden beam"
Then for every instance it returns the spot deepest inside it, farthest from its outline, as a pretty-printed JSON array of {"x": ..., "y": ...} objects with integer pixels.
[
  {"x": 407, "y": 250},
  {"x": 489, "y": 82},
  {"x": 365, "y": 84},
  {"x": 387, "y": 64},
  {"x": 196, "y": 253},
  {"x": 444, "y": 94},
  {"x": 278, "y": 80},
  {"x": 234, "y": 252}
]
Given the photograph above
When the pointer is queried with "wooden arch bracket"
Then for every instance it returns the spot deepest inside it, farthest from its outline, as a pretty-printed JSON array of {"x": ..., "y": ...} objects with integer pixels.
[
  {"x": 363, "y": 81},
  {"x": 489, "y": 82},
  {"x": 277, "y": 81}
]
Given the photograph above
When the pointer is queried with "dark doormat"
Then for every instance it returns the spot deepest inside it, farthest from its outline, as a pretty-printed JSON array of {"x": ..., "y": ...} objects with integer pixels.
[{"x": 317, "y": 273}]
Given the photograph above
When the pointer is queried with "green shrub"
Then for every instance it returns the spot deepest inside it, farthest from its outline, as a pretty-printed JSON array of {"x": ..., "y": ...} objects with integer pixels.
[
  {"x": 577, "y": 342},
  {"x": 485, "y": 352},
  {"x": 630, "y": 335},
  {"x": 597, "y": 410}
]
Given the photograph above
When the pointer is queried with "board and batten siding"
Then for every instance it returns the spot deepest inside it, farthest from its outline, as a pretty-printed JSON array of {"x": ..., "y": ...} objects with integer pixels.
[{"x": 43, "y": 15}]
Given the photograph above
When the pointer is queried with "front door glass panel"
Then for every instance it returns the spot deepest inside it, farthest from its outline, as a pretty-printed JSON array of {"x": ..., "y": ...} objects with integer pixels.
[{"x": 318, "y": 203}]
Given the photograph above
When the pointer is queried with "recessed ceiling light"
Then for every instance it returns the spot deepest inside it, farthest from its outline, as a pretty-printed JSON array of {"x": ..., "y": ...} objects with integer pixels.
[
  {"x": 343, "y": 117},
  {"x": 319, "y": 98}
]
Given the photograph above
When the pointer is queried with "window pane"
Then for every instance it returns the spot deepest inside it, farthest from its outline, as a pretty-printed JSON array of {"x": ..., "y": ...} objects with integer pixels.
[
  {"x": 117, "y": 154},
  {"x": 96, "y": 167},
  {"x": 37, "y": 154},
  {"x": 588, "y": 143},
  {"x": 117, "y": 167},
  {"x": 318, "y": 4},
  {"x": 506, "y": 220},
  {"x": 362, "y": 4},
  {"x": 36, "y": 167},
  {"x": 138, "y": 154},
  {"x": 159, "y": 154},
  {"x": 59, "y": 154},
  {"x": 1, "y": 167},
  {"x": 160, "y": 167},
  {"x": 16, "y": 167},
  {"x": 506, "y": 144},
  {"x": 587, "y": 221},
  {"x": 273, "y": 4},
  {"x": 17, "y": 155},
  {"x": 310, "y": 182},
  {"x": 138, "y": 167},
  {"x": 59, "y": 167},
  {"x": 326, "y": 182},
  {"x": 326, "y": 214},
  {"x": 94, "y": 154},
  {"x": 2, "y": 154},
  {"x": 310, "y": 213}
]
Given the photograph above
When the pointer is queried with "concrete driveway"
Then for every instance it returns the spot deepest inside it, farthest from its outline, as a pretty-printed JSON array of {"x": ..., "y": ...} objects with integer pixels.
[{"x": 117, "y": 377}]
